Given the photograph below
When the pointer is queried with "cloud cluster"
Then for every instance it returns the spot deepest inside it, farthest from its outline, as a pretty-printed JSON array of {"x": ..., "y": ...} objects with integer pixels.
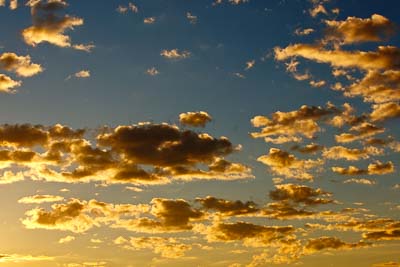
[
  {"x": 139, "y": 154},
  {"x": 50, "y": 26}
]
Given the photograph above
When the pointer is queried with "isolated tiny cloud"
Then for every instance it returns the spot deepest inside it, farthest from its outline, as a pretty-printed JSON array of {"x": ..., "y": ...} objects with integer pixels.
[
  {"x": 175, "y": 54},
  {"x": 195, "y": 119},
  {"x": 82, "y": 74}
]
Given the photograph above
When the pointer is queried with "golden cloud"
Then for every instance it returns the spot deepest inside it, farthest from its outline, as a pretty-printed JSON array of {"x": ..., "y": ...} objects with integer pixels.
[{"x": 195, "y": 119}]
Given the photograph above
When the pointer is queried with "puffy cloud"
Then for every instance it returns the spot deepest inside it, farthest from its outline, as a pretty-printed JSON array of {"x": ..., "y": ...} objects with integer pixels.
[
  {"x": 227, "y": 207},
  {"x": 360, "y": 131},
  {"x": 386, "y": 57},
  {"x": 308, "y": 149},
  {"x": 139, "y": 154},
  {"x": 330, "y": 243},
  {"x": 340, "y": 152},
  {"x": 149, "y": 20},
  {"x": 21, "y": 65},
  {"x": 167, "y": 247},
  {"x": 383, "y": 235},
  {"x": 37, "y": 199},
  {"x": 292, "y": 124},
  {"x": 82, "y": 74},
  {"x": 175, "y": 54},
  {"x": 84, "y": 47},
  {"x": 282, "y": 163},
  {"x": 317, "y": 9},
  {"x": 172, "y": 215},
  {"x": 317, "y": 83},
  {"x": 300, "y": 194},
  {"x": 66, "y": 239},
  {"x": 152, "y": 71},
  {"x": 250, "y": 234},
  {"x": 65, "y": 217},
  {"x": 19, "y": 135},
  {"x": 377, "y": 86},
  {"x": 79, "y": 216},
  {"x": 195, "y": 119},
  {"x": 385, "y": 111},
  {"x": 131, "y": 7},
  {"x": 287, "y": 210},
  {"x": 357, "y": 30},
  {"x": 360, "y": 181},
  {"x": 7, "y": 84},
  {"x": 377, "y": 168},
  {"x": 48, "y": 26}
]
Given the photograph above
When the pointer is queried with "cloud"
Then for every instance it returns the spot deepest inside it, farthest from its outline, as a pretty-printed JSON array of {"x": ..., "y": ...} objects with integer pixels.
[
  {"x": 292, "y": 125},
  {"x": 317, "y": 83},
  {"x": 195, "y": 119},
  {"x": 175, "y": 54},
  {"x": 360, "y": 181},
  {"x": 66, "y": 239},
  {"x": 317, "y": 9},
  {"x": 191, "y": 18},
  {"x": 302, "y": 32},
  {"x": 166, "y": 247},
  {"x": 37, "y": 199},
  {"x": 48, "y": 26},
  {"x": 82, "y": 74},
  {"x": 152, "y": 71},
  {"x": 340, "y": 152},
  {"x": 360, "y": 131},
  {"x": 250, "y": 64},
  {"x": 84, "y": 47},
  {"x": 65, "y": 217},
  {"x": 251, "y": 234},
  {"x": 330, "y": 243},
  {"x": 171, "y": 215},
  {"x": 377, "y": 168},
  {"x": 282, "y": 163},
  {"x": 137, "y": 154},
  {"x": 383, "y": 235},
  {"x": 356, "y": 30},
  {"x": 124, "y": 9},
  {"x": 80, "y": 216},
  {"x": 22, "y": 135},
  {"x": 385, "y": 111},
  {"x": 227, "y": 207},
  {"x": 7, "y": 84},
  {"x": 149, "y": 20},
  {"x": 308, "y": 149},
  {"x": 385, "y": 57},
  {"x": 21, "y": 65},
  {"x": 18, "y": 258},
  {"x": 300, "y": 194}
]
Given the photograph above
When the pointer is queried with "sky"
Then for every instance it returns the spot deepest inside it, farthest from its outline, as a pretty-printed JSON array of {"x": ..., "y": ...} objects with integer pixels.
[{"x": 234, "y": 133}]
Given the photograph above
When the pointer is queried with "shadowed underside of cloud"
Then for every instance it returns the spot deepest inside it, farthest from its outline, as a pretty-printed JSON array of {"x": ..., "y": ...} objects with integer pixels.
[{"x": 142, "y": 154}]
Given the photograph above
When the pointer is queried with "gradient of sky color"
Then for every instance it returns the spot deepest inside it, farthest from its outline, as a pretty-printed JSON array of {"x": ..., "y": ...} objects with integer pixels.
[{"x": 234, "y": 60}]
